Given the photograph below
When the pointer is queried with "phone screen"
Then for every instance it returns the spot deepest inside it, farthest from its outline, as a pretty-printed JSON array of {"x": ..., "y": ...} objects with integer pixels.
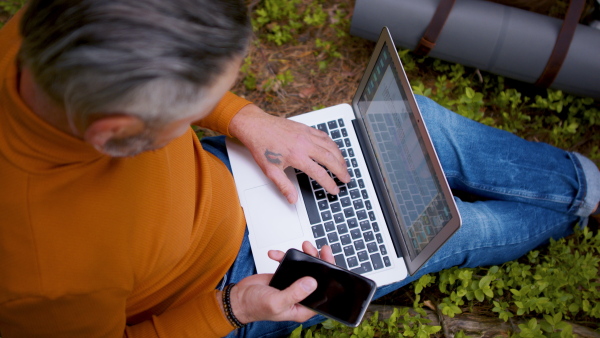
[{"x": 341, "y": 295}]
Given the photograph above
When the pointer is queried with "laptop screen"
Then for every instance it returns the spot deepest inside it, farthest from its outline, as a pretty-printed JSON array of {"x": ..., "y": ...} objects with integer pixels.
[{"x": 409, "y": 177}]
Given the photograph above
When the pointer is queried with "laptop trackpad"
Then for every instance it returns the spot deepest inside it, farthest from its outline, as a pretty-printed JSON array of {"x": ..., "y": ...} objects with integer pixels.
[{"x": 273, "y": 219}]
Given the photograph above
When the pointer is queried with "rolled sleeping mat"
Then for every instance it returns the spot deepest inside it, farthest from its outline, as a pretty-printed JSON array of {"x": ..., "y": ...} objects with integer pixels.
[{"x": 496, "y": 38}]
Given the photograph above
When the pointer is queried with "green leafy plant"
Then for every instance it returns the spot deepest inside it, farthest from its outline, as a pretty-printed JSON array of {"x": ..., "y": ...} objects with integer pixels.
[
  {"x": 542, "y": 289},
  {"x": 281, "y": 20},
  {"x": 279, "y": 81},
  {"x": 249, "y": 78},
  {"x": 328, "y": 50}
]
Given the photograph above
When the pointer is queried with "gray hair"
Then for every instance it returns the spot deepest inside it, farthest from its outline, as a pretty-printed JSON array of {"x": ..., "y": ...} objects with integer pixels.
[{"x": 151, "y": 58}]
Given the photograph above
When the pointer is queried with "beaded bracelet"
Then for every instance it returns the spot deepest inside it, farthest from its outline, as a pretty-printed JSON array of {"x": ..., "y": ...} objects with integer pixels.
[{"x": 227, "y": 307}]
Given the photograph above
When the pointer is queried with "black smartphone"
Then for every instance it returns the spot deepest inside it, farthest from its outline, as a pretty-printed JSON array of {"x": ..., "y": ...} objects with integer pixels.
[{"x": 341, "y": 295}]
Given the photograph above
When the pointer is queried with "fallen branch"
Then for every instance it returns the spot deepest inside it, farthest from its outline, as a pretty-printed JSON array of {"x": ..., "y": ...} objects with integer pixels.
[{"x": 473, "y": 325}]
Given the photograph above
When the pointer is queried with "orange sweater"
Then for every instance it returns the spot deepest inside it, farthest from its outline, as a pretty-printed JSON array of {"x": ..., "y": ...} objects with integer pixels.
[{"x": 93, "y": 246}]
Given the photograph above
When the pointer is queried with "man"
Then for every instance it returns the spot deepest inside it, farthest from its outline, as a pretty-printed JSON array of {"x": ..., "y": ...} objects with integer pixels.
[{"x": 118, "y": 221}]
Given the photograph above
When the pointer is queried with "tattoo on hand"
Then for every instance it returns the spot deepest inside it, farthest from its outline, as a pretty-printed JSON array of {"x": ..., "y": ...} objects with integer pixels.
[{"x": 273, "y": 157}]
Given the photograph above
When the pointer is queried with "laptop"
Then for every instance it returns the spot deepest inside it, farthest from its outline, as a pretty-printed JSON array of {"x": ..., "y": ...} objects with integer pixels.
[{"x": 398, "y": 209}]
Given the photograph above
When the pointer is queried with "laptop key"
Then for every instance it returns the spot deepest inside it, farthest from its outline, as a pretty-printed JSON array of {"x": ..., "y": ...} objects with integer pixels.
[
  {"x": 326, "y": 215},
  {"x": 336, "y": 248},
  {"x": 368, "y": 235},
  {"x": 321, "y": 242},
  {"x": 320, "y": 194},
  {"x": 346, "y": 202},
  {"x": 340, "y": 144},
  {"x": 342, "y": 228},
  {"x": 355, "y": 233},
  {"x": 363, "y": 268},
  {"x": 340, "y": 261},
  {"x": 354, "y": 193},
  {"x": 349, "y": 212},
  {"x": 362, "y": 256},
  {"x": 352, "y": 223},
  {"x": 345, "y": 239},
  {"x": 343, "y": 191},
  {"x": 335, "y": 207},
  {"x": 358, "y": 204},
  {"x": 329, "y": 226},
  {"x": 318, "y": 231},
  {"x": 309, "y": 201},
  {"x": 364, "y": 225},
  {"x": 351, "y": 184},
  {"x": 352, "y": 262},
  {"x": 377, "y": 262},
  {"x": 368, "y": 205},
  {"x": 348, "y": 250},
  {"x": 323, "y": 205},
  {"x": 361, "y": 184},
  {"x": 375, "y": 227},
  {"x": 338, "y": 218},
  {"x": 322, "y": 127},
  {"x": 382, "y": 250},
  {"x": 341, "y": 122},
  {"x": 359, "y": 244},
  {"x": 344, "y": 132},
  {"x": 332, "y": 198},
  {"x": 332, "y": 124},
  {"x": 372, "y": 247},
  {"x": 335, "y": 134},
  {"x": 386, "y": 261},
  {"x": 361, "y": 214},
  {"x": 332, "y": 237}
]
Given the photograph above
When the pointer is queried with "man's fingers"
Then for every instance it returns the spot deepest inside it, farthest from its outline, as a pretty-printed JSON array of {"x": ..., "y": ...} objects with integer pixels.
[
  {"x": 320, "y": 174},
  {"x": 326, "y": 254},
  {"x": 276, "y": 255},
  {"x": 283, "y": 183},
  {"x": 330, "y": 156},
  {"x": 308, "y": 248},
  {"x": 299, "y": 290}
]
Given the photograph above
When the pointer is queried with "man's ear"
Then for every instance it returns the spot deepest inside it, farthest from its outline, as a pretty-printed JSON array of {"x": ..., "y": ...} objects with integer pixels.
[{"x": 105, "y": 128}]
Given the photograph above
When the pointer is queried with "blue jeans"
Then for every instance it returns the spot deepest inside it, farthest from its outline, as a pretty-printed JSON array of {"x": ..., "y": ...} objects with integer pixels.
[{"x": 530, "y": 192}]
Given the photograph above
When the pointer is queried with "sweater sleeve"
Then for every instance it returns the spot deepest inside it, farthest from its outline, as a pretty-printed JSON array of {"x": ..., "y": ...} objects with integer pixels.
[
  {"x": 102, "y": 314},
  {"x": 221, "y": 116},
  {"x": 200, "y": 317}
]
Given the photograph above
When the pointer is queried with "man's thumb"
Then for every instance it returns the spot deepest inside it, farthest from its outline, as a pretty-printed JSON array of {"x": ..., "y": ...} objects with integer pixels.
[{"x": 302, "y": 288}]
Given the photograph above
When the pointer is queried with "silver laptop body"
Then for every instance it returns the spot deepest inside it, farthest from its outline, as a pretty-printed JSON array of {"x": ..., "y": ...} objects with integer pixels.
[{"x": 397, "y": 211}]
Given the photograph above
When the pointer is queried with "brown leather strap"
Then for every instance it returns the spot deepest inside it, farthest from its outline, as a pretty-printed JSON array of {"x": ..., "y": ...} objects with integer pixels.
[
  {"x": 563, "y": 41},
  {"x": 435, "y": 27}
]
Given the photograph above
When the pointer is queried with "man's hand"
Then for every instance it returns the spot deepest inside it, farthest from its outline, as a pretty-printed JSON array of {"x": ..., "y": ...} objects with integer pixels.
[
  {"x": 277, "y": 143},
  {"x": 253, "y": 300}
]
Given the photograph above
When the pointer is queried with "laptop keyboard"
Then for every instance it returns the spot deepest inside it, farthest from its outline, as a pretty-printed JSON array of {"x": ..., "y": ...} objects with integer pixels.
[{"x": 345, "y": 222}]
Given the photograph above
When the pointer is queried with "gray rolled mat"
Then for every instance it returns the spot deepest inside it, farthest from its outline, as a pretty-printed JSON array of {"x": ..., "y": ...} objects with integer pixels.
[{"x": 500, "y": 39}]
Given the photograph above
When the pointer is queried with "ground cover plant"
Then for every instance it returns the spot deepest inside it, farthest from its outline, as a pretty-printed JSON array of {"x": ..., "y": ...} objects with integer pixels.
[
  {"x": 303, "y": 58},
  {"x": 298, "y": 63}
]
